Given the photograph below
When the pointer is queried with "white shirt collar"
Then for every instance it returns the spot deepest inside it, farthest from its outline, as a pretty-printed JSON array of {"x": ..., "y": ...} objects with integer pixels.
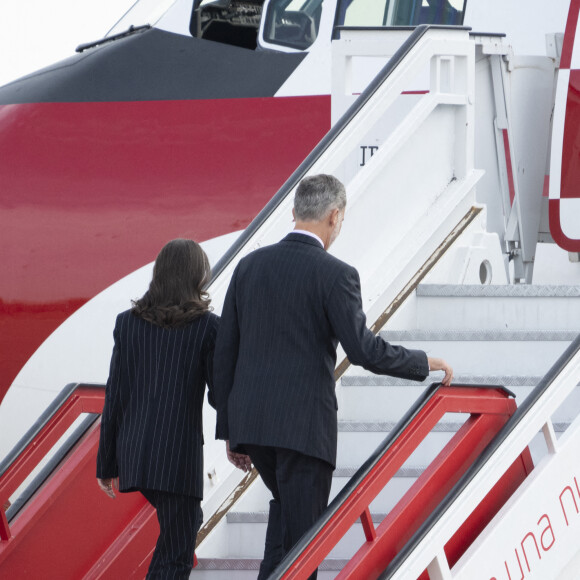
[{"x": 311, "y": 234}]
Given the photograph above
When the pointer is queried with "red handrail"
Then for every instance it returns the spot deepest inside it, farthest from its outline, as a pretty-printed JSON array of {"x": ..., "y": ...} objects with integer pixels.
[
  {"x": 489, "y": 409},
  {"x": 120, "y": 546},
  {"x": 69, "y": 528},
  {"x": 83, "y": 399}
]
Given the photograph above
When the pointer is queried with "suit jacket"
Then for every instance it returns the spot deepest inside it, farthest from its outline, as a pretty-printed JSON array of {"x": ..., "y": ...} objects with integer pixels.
[
  {"x": 151, "y": 427},
  {"x": 287, "y": 307}
]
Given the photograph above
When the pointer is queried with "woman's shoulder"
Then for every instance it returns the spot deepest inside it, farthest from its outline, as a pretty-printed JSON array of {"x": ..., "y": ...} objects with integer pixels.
[
  {"x": 125, "y": 314},
  {"x": 213, "y": 319},
  {"x": 129, "y": 318},
  {"x": 123, "y": 318},
  {"x": 209, "y": 320}
]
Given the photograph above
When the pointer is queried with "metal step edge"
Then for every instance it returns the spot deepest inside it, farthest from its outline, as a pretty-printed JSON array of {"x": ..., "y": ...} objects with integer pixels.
[
  {"x": 261, "y": 517},
  {"x": 466, "y": 379},
  {"x": 387, "y": 426},
  {"x": 409, "y": 472},
  {"x": 479, "y": 335},
  {"x": 240, "y": 564},
  {"x": 489, "y": 291}
]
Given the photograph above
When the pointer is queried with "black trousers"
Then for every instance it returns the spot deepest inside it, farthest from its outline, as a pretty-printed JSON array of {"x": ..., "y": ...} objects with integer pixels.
[
  {"x": 180, "y": 518},
  {"x": 300, "y": 485}
]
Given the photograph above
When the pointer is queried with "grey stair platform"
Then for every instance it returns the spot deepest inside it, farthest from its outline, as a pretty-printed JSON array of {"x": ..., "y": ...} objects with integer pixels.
[
  {"x": 363, "y": 396},
  {"x": 497, "y": 352},
  {"x": 498, "y": 291},
  {"x": 253, "y": 564},
  {"x": 480, "y": 335},
  {"x": 247, "y": 568},
  {"x": 370, "y": 380},
  {"x": 519, "y": 306}
]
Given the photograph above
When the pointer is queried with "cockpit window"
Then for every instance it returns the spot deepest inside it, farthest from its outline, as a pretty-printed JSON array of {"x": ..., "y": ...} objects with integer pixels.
[
  {"x": 234, "y": 22},
  {"x": 400, "y": 12},
  {"x": 292, "y": 23}
]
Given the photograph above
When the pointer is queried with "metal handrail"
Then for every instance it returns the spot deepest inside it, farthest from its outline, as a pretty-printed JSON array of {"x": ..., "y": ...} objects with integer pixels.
[
  {"x": 51, "y": 466},
  {"x": 71, "y": 402},
  {"x": 42, "y": 422}
]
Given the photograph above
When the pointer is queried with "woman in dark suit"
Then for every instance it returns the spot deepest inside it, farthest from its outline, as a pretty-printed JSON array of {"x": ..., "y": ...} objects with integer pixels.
[{"x": 151, "y": 427}]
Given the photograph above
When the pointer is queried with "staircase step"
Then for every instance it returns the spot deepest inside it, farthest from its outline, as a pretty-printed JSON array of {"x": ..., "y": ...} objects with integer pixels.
[
  {"x": 261, "y": 517},
  {"x": 363, "y": 396},
  {"x": 247, "y": 568},
  {"x": 356, "y": 441},
  {"x": 527, "y": 291},
  {"x": 502, "y": 307},
  {"x": 364, "y": 378},
  {"x": 354, "y": 449},
  {"x": 256, "y": 498},
  {"x": 481, "y": 335},
  {"x": 496, "y": 352},
  {"x": 247, "y": 532}
]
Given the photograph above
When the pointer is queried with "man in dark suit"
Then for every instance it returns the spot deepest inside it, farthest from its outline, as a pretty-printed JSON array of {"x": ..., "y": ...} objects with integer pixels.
[{"x": 287, "y": 307}]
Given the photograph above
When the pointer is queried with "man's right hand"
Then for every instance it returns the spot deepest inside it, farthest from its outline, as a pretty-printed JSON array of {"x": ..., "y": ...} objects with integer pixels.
[
  {"x": 438, "y": 364},
  {"x": 240, "y": 460}
]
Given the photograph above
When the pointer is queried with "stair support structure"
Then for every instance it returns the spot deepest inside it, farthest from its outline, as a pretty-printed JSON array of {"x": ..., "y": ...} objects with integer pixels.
[{"x": 489, "y": 409}]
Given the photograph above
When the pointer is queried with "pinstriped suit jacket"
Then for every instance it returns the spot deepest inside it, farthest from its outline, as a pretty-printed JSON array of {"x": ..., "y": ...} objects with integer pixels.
[
  {"x": 287, "y": 307},
  {"x": 151, "y": 427}
]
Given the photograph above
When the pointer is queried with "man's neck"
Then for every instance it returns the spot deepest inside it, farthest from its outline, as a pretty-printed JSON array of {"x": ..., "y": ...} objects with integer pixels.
[
  {"x": 310, "y": 235},
  {"x": 314, "y": 228}
]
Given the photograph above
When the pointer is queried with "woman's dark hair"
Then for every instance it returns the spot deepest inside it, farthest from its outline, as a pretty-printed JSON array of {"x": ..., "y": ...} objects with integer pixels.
[{"x": 176, "y": 294}]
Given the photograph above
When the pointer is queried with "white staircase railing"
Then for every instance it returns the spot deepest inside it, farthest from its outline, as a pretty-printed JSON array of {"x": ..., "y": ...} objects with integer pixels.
[
  {"x": 406, "y": 205},
  {"x": 406, "y": 200},
  {"x": 542, "y": 550}
]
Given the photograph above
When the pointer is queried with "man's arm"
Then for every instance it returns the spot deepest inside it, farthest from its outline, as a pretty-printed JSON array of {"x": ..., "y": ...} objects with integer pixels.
[
  {"x": 225, "y": 358},
  {"x": 348, "y": 320}
]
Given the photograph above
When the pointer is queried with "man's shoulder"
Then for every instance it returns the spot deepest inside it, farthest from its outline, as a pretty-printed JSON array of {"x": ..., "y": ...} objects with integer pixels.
[
  {"x": 330, "y": 263},
  {"x": 301, "y": 254},
  {"x": 292, "y": 244}
]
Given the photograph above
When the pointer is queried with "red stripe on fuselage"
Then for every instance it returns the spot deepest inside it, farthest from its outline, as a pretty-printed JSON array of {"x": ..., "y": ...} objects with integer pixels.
[
  {"x": 569, "y": 34},
  {"x": 570, "y": 171},
  {"x": 571, "y": 141},
  {"x": 566, "y": 243},
  {"x": 91, "y": 191}
]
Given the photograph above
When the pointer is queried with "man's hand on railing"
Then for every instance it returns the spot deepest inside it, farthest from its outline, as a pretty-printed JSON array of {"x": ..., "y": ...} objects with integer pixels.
[
  {"x": 240, "y": 460},
  {"x": 109, "y": 485},
  {"x": 438, "y": 364}
]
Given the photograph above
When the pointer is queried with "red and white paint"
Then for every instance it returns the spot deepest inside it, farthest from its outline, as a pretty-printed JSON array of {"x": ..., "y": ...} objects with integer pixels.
[
  {"x": 564, "y": 190},
  {"x": 531, "y": 533}
]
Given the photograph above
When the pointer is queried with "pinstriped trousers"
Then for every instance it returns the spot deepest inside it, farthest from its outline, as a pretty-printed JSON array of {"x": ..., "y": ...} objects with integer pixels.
[
  {"x": 300, "y": 485},
  {"x": 180, "y": 518}
]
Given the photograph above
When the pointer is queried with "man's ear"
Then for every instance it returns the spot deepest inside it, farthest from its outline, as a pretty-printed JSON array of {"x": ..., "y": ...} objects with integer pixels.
[
  {"x": 333, "y": 217},
  {"x": 293, "y": 215}
]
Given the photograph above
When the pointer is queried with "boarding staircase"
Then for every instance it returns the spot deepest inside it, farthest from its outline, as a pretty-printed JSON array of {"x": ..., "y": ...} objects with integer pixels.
[
  {"x": 410, "y": 207},
  {"x": 502, "y": 335}
]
